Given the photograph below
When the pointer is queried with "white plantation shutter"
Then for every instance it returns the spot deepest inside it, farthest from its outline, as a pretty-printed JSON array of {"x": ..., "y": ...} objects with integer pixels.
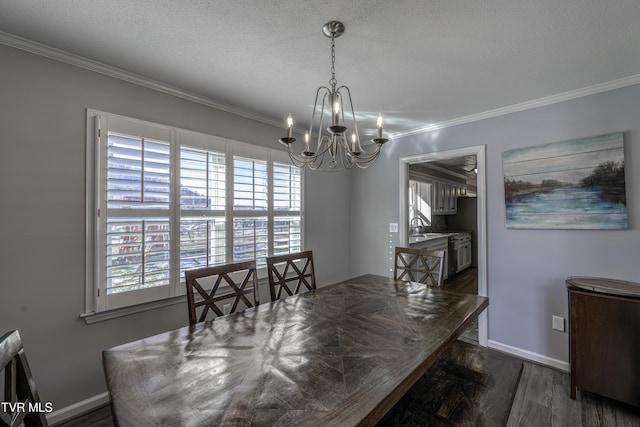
[
  {"x": 202, "y": 208},
  {"x": 287, "y": 224},
  {"x": 250, "y": 239},
  {"x": 287, "y": 235},
  {"x": 202, "y": 180},
  {"x": 138, "y": 173},
  {"x": 202, "y": 243},
  {"x": 250, "y": 195},
  {"x": 162, "y": 200},
  {"x": 249, "y": 184},
  {"x": 134, "y": 251},
  {"x": 137, "y": 254},
  {"x": 286, "y": 187}
]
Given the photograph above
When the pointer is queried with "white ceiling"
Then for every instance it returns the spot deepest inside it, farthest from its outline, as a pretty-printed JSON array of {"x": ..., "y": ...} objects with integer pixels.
[{"x": 418, "y": 62}]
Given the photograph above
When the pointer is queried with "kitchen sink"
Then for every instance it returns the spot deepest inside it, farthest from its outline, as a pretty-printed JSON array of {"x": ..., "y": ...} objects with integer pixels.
[{"x": 424, "y": 236}]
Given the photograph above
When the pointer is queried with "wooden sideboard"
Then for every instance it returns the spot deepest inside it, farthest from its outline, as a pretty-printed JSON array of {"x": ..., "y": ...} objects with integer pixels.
[{"x": 604, "y": 337}]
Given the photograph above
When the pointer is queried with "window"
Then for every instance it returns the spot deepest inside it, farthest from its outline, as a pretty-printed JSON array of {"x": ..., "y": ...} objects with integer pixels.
[
  {"x": 250, "y": 221},
  {"x": 420, "y": 203},
  {"x": 287, "y": 222},
  {"x": 202, "y": 208},
  {"x": 162, "y": 200}
]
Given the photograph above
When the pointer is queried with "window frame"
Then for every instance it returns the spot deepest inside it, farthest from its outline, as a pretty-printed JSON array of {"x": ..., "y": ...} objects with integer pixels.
[{"x": 99, "y": 306}]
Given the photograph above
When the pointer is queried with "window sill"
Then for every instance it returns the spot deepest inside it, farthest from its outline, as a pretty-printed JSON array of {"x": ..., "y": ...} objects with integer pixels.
[{"x": 94, "y": 317}]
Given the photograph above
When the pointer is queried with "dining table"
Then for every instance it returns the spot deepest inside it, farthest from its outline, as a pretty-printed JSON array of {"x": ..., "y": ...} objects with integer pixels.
[{"x": 340, "y": 355}]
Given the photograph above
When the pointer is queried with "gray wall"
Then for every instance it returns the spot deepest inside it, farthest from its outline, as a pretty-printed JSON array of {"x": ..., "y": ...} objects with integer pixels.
[
  {"x": 526, "y": 268},
  {"x": 42, "y": 226}
]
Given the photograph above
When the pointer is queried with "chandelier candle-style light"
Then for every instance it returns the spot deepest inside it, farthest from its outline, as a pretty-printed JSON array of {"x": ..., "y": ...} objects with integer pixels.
[{"x": 340, "y": 147}]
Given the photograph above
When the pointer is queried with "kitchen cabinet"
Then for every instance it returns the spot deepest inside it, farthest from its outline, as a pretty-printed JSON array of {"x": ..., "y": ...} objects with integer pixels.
[
  {"x": 438, "y": 198},
  {"x": 441, "y": 196},
  {"x": 463, "y": 251},
  {"x": 445, "y": 197}
]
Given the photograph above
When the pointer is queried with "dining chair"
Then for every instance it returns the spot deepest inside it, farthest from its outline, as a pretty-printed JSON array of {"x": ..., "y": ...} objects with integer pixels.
[
  {"x": 419, "y": 265},
  {"x": 21, "y": 403},
  {"x": 289, "y": 273},
  {"x": 222, "y": 289}
]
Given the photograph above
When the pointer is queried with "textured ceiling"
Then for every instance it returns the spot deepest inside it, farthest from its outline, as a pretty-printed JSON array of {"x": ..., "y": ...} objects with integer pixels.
[{"x": 418, "y": 62}]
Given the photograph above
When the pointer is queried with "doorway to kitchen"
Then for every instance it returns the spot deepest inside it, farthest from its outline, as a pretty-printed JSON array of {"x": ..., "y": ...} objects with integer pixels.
[{"x": 481, "y": 227}]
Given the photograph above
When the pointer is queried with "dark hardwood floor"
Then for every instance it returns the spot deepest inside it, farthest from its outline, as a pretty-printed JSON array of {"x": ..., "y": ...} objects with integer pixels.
[
  {"x": 465, "y": 282},
  {"x": 543, "y": 399},
  {"x": 100, "y": 417},
  {"x": 468, "y": 386}
]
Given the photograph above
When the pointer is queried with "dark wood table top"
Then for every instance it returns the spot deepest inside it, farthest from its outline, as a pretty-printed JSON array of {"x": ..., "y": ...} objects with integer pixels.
[{"x": 341, "y": 355}]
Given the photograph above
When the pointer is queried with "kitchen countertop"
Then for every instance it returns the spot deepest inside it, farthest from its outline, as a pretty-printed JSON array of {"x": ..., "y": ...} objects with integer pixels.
[
  {"x": 417, "y": 238},
  {"x": 423, "y": 237}
]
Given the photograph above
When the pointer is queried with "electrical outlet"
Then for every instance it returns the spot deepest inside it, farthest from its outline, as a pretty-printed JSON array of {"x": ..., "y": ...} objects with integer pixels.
[
  {"x": 558, "y": 323},
  {"x": 393, "y": 227}
]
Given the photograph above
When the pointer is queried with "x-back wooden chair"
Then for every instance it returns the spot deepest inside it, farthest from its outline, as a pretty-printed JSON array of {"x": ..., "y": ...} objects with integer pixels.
[
  {"x": 218, "y": 286},
  {"x": 419, "y": 265},
  {"x": 20, "y": 394},
  {"x": 291, "y": 273}
]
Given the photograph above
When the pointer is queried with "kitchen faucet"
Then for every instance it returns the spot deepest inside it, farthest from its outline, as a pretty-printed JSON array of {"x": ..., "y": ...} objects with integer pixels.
[{"x": 416, "y": 229}]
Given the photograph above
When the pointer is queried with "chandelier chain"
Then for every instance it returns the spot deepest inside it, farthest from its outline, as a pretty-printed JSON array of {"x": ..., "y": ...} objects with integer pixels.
[{"x": 333, "y": 82}]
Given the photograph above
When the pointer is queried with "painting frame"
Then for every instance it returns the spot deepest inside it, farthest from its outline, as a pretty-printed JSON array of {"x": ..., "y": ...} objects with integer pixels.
[{"x": 572, "y": 184}]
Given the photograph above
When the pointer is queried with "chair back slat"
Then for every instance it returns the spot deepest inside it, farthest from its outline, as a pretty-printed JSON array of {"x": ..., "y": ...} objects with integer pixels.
[
  {"x": 291, "y": 273},
  {"x": 210, "y": 289},
  {"x": 19, "y": 386},
  {"x": 419, "y": 265}
]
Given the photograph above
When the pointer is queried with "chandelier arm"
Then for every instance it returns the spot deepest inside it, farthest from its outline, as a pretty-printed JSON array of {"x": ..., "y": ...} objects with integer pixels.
[
  {"x": 315, "y": 107},
  {"x": 313, "y": 166},
  {"x": 376, "y": 150},
  {"x": 366, "y": 164},
  {"x": 363, "y": 162},
  {"x": 353, "y": 116},
  {"x": 349, "y": 159},
  {"x": 316, "y": 164},
  {"x": 301, "y": 156},
  {"x": 320, "y": 139},
  {"x": 296, "y": 162}
]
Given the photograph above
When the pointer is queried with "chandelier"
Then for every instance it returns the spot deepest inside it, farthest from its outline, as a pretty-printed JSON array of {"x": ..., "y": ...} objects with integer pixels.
[{"x": 339, "y": 148}]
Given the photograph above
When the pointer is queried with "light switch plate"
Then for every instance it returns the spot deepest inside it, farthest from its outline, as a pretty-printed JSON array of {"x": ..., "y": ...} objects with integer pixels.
[{"x": 393, "y": 227}]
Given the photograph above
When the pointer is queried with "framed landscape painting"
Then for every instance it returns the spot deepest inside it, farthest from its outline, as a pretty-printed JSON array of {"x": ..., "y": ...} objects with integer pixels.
[{"x": 575, "y": 184}]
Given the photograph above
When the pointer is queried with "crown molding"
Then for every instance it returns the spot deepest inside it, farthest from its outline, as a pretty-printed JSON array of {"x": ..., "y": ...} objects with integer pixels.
[
  {"x": 107, "y": 70},
  {"x": 541, "y": 102}
]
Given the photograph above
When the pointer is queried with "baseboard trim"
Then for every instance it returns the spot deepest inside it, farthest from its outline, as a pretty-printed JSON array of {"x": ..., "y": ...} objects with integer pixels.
[
  {"x": 77, "y": 409},
  {"x": 529, "y": 355}
]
